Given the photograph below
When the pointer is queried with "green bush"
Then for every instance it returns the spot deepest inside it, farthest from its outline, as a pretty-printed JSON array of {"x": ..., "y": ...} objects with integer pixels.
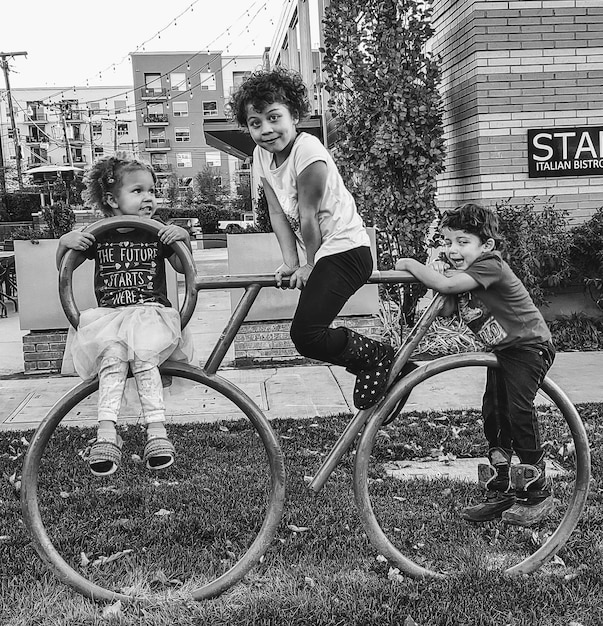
[
  {"x": 577, "y": 332},
  {"x": 586, "y": 255},
  {"x": 538, "y": 245}
]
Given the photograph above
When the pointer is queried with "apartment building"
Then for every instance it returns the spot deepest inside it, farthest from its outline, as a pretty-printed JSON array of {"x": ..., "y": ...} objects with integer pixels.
[
  {"x": 71, "y": 127},
  {"x": 176, "y": 94}
]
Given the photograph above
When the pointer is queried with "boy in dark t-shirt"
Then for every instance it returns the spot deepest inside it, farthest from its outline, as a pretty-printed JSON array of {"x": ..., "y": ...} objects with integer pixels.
[{"x": 498, "y": 309}]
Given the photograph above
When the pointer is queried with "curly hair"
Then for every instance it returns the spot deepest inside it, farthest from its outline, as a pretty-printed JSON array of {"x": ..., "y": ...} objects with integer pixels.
[
  {"x": 476, "y": 220},
  {"x": 267, "y": 87},
  {"x": 106, "y": 175}
]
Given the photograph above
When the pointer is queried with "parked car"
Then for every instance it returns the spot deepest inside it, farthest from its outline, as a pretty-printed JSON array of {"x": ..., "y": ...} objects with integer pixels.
[{"x": 191, "y": 224}]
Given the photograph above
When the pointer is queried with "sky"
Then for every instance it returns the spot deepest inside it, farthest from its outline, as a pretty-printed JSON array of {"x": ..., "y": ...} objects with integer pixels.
[{"x": 75, "y": 43}]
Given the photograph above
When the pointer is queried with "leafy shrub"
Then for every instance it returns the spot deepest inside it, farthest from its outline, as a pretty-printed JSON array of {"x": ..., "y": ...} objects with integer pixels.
[
  {"x": 59, "y": 218},
  {"x": 577, "y": 332},
  {"x": 538, "y": 244},
  {"x": 586, "y": 255},
  {"x": 18, "y": 207}
]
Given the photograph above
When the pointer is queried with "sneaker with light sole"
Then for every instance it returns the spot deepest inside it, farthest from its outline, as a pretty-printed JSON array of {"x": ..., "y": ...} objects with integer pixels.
[
  {"x": 494, "y": 504},
  {"x": 526, "y": 513}
]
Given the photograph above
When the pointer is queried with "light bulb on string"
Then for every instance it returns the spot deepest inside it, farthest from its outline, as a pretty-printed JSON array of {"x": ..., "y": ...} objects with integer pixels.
[
  {"x": 188, "y": 66},
  {"x": 190, "y": 94}
]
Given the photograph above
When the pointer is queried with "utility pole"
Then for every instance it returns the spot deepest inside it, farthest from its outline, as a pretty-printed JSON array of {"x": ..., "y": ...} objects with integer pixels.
[
  {"x": 4, "y": 64},
  {"x": 2, "y": 179},
  {"x": 62, "y": 107}
]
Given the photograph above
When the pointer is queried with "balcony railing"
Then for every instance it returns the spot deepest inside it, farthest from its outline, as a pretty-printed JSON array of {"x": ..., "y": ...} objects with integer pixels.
[
  {"x": 155, "y": 118},
  {"x": 36, "y": 139},
  {"x": 76, "y": 160},
  {"x": 36, "y": 117},
  {"x": 157, "y": 144},
  {"x": 72, "y": 116},
  {"x": 153, "y": 93}
]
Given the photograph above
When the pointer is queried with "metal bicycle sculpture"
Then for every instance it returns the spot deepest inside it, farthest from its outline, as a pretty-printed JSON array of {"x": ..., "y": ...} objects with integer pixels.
[{"x": 365, "y": 423}]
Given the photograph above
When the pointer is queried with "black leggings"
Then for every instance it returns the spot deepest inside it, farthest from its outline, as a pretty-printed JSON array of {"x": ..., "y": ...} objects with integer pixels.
[{"x": 333, "y": 281}]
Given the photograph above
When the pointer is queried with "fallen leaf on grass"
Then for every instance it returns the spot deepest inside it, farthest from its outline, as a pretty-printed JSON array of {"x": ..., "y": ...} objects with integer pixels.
[
  {"x": 308, "y": 479},
  {"x": 84, "y": 560},
  {"x": 64, "y": 495},
  {"x": 113, "y": 610},
  {"x": 297, "y": 529},
  {"x": 409, "y": 621},
  {"x": 136, "y": 458},
  {"x": 163, "y": 512},
  {"x": 380, "y": 558},
  {"x": 4, "y": 537},
  {"x": 557, "y": 560},
  {"x": 15, "y": 481},
  {"x": 394, "y": 574},
  {"x": 103, "y": 560},
  {"x": 309, "y": 581},
  {"x": 224, "y": 429}
]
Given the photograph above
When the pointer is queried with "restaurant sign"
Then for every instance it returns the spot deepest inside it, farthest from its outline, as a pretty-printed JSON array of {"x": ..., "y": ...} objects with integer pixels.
[{"x": 554, "y": 152}]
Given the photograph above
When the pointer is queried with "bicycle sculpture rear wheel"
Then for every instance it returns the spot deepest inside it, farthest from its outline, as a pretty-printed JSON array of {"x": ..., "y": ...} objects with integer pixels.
[
  {"x": 274, "y": 472},
  {"x": 378, "y": 536},
  {"x": 274, "y": 493}
]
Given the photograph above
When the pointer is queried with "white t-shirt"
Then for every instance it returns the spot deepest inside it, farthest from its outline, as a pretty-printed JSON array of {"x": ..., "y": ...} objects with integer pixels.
[{"x": 341, "y": 226}]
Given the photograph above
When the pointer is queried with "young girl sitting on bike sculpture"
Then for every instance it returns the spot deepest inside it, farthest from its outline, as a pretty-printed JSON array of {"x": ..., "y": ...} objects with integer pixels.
[
  {"x": 134, "y": 325},
  {"x": 498, "y": 309},
  {"x": 310, "y": 207}
]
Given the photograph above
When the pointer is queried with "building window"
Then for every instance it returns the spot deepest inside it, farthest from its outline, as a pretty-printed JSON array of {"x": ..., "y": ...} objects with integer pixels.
[
  {"x": 184, "y": 159},
  {"x": 178, "y": 81},
  {"x": 213, "y": 159},
  {"x": 180, "y": 109},
  {"x": 208, "y": 81},
  {"x": 122, "y": 129},
  {"x": 153, "y": 82},
  {"x": 94, "y": 107},
  {"x": 98, "y": 152},
  {"x": 182, "y": 135},
  {"x": 97, "y": 129},
  {"x": 120, "y": 106},
  {"x": 210, "y": 109}
]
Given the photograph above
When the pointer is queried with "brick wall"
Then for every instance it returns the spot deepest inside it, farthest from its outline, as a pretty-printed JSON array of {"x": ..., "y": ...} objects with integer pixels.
[
  {"x": 43, "y": 351},
  {"x": 266, "y": 342},
  {"x": 506, "y": 67}
]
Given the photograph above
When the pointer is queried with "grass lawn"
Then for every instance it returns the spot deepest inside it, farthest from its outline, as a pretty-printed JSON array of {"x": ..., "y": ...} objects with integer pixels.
[{"x": 163, "y": 535}]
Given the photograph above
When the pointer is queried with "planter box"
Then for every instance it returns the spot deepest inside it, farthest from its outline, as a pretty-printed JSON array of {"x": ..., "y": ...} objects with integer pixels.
[
  {"x": 259, "y": 253},
  {"x": 264, "y": 336}
]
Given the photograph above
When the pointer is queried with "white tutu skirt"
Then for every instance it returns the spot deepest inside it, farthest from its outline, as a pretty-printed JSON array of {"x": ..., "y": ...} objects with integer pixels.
[{"x": 146, "y": 332}]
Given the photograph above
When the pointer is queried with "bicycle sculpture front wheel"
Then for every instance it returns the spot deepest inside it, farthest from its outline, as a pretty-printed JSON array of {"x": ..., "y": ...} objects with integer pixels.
[
  {"x": 392, "y": 520},
  {"x": 205, "y": 551}
]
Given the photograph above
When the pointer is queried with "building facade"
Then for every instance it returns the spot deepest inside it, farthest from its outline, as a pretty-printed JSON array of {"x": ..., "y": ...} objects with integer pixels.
[
  {"x": 69, "y": 127},
  {"x": 523, "y": 101},
  {"x": 175, "y": 94}
]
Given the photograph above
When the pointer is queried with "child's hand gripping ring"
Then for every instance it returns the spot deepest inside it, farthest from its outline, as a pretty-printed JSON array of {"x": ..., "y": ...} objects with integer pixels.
[{"x": 69, "y": 263}]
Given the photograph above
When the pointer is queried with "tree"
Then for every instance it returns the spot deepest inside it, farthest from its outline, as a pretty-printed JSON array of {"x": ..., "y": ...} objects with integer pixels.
[
  {"x": 208, "y": 188},
  {"x": 59, "y": 218},
  {"x": 383, "y": 89}
]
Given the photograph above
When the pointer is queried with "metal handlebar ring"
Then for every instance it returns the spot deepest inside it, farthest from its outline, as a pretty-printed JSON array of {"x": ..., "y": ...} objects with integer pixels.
[{"x": 69, "y": 263}]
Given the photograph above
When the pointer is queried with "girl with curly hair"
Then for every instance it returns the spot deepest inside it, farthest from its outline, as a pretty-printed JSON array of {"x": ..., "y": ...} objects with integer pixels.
[
  {"x": 311, "y": 209},
  {"x": 134, "y": 326}
]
